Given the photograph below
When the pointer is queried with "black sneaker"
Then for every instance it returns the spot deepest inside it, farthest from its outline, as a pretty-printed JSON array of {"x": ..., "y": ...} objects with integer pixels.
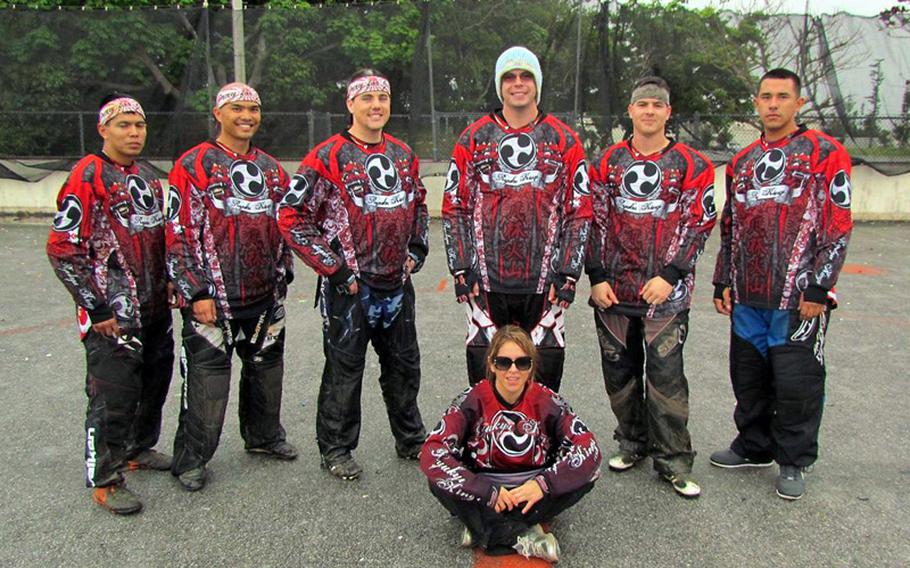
[
  {"x": 790, "y": 483},
  {"x": 409, "y": 453},
  {"x": 279, "y": 450},
  {"x": 117, "y": 499},
  {"x": 193, "y": 479},
  {"x": 149, "y": 459},
  {"x": 343, "y": 467},
  {"x": 728, "y": 459}
]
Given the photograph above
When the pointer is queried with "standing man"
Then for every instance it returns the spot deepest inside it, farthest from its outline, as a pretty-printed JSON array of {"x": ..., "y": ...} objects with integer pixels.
[
  {"x": 784, "y": 234},
  {"x": 653, "y": 211},
  {"x": 356, "y": 214},
  {"x": 231, "y": 269},
  {"x": 107, "y": 247},
  {"x": 516, "y": 215}
]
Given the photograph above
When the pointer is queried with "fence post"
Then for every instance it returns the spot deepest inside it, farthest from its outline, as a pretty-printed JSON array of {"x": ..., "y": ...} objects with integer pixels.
[
  {"x": 309, "y": 128},
  {"x": 81, "y": 135}
]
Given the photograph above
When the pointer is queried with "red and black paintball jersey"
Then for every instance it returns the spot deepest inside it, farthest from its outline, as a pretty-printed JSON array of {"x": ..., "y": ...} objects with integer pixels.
[
  {"x": 222, "y": 239},
  {"x": 107, "y": 241},
  {"x": 358, "y": 207},
  {"x": 652, "y": 216},
  {"x": 786, "y": 221},
  {"x": 517, "y": 204},
  {"x": 480, "y": 433}
]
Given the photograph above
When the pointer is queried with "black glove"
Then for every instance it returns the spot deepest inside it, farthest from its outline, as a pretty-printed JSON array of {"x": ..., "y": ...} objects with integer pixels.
[
  {"x": 565, "y": 290},
  {"x": 342, "y": 280},
  {"x": 464, "y": 285}
]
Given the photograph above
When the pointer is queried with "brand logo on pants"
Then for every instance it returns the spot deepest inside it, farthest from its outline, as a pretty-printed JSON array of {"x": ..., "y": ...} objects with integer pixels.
[{"x": 90, "y": 456}]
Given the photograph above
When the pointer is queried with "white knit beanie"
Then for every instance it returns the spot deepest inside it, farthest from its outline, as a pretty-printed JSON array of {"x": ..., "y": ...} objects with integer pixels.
[{"x": 518, "y": 57}]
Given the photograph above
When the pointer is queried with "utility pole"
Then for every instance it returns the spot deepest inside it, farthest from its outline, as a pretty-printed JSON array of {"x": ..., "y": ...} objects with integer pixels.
[
  {"x": 432, "y": 96},
  {"x": 239, "y": 49}
]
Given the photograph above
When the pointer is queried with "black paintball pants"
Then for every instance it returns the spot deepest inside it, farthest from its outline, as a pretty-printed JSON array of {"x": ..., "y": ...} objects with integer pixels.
[
  {"x": 206, "y": 369},
  {"x": 780, "y": 395},
  {"x": 346, "y": 334},
  {"x": 489, "y": 311},
  {"x": 126, "y": 383},
  {"x": 642, "y": 362},
  {"x": 496, "y": 532}
]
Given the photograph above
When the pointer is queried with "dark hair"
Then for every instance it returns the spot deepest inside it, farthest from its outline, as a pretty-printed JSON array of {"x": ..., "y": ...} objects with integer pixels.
[
  {"x": 113, "y": 96},
  {"x": 781, "y": 73},
  {"x": 516, "y": 335},
  {"x": 652, "y": 80}
]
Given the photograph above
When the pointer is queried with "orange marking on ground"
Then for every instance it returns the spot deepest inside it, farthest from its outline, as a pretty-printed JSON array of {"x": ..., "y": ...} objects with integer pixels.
[
  {"x": 481, "y": 560},
  {"x": 31, "y": 328},
  {"x": 442, "y": 285},
  {"x": 862, "y": 269}
]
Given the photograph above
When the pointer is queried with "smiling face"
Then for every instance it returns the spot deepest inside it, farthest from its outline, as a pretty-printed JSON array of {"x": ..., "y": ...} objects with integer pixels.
[
  {"x": 124, "y": 136},
  {"x": 519, "y": 90},
  {"x": 370, "y": 112},
  {"x": 649, "y": 116},
  {"x": 239, "y": 120},
  {"x": 777, "y": 104},
  {"x": 510, "y": 382}
]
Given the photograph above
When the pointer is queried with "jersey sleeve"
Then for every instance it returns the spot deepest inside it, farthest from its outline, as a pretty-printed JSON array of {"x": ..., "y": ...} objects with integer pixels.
[
  {"x": 419, "y": 245},
  {"x": 441, "y": 457},
  {"x": 458, "y": 208},
  {"x": 285, "y": 258},
  {"x": 697, "y": 219},
  {"x": 69, "y": 246},
  {"x": 834, "y": 223},
  {"x": 299, "y": 214},
  {"x": 723, "y": 267},
  {"x": 576, "y": 224},
  {"x": 578, "y": 455},
  {"x": 600, "y": 206},
  {"x": 186, "y": 262}
]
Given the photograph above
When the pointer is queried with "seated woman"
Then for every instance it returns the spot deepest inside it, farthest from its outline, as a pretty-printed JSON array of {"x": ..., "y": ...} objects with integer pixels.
[{"x": 510, "y": 454}]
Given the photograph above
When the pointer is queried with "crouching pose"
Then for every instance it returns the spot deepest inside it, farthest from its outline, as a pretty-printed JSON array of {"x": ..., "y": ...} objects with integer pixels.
[{"x": 510, "y": 454}]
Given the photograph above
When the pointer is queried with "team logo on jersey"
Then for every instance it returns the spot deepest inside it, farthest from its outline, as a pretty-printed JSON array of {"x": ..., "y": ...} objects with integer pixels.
[
  {"x": 382, "y": 173},
  {"x": 642, "y": 180},
  {"x": 707, "y": 202},
  {"x": 247, "y": 179},
  {"x": 123, "y": 307},
  {"x": 802, "y": 280},
  {"x": 770, "y": 167},
  {"x": 517, "y": 152},
  {"x": 453, "y": 177},
  {"x": 142, "y": 195},
  {"x": 69, "y": 215},
  {"x": 513, "y": 433},
  {"x": 297, "y": 191},
  {"x": 578, "y": 427},
  {"x": 580, "y": 182},
  {"x": 840, "y": 190},
  {"x": 680, "y": 291},
  {"x": 173, "y": 204}
]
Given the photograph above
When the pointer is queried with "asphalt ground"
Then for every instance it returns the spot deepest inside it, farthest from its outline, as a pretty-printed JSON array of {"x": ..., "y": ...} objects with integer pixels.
[{"x": 257, "y": 512}]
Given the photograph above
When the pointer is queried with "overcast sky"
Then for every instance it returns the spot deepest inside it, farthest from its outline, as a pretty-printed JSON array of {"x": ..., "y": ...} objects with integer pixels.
[{"x": 858, "y": 7}]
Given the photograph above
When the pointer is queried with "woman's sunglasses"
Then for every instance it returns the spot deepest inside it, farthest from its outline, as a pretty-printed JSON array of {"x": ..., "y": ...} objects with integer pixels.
[{"x": 504, "y": 363}]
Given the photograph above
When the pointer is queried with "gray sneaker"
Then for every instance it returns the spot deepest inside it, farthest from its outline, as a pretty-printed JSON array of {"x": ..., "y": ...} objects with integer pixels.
[
  {"x": 537, "y": 544},
  {"x": 728, "y": 459},
  {"x": 193, "y": 479},
  {"x": 790, "y": 483},
  {"x": 117, "y": 499},
  {"x": 621, "y": 461},
  {"x": 149, "y": 459},
  {"x": 467, "y": 539}
]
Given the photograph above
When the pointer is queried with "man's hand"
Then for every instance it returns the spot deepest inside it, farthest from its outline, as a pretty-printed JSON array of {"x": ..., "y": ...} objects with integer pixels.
[
  {"x": 107, "y": 328},
  {"x": 809, "y": 310},
  {"x": 529, "y": 493},
  {"x": 204, "y": 311},
  {"x": 505, "y": 501},
  {"x": 353, "y": 288},
  {"x": 656, "y": 291},
  {"x": 409, "y": 265},
  {"x": 562, "y": 292},
  {"x": 724, "y": 305},
  {"x": 603, "y": 296},
  {"x": 466, "y": 286},
  {"x": 174, "y": 300}
]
